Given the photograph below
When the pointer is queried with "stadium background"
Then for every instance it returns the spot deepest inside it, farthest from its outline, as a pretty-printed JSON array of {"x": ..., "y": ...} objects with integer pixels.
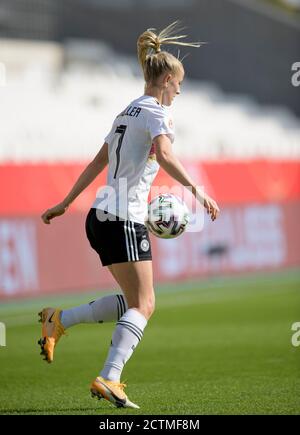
[{"x": 67, "y": 67}]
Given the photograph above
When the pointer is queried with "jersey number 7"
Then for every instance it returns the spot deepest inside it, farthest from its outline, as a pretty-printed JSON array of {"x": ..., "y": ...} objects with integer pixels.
[{"x": 121, "y": 130}]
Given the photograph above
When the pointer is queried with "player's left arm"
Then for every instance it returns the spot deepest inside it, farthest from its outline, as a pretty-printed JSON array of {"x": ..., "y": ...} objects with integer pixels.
[
  {"x": 170, "y": 163},
  {"x": 85, "y": 179}
]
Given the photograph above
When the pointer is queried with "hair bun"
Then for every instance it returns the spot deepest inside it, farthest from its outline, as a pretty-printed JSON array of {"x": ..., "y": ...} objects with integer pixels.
[
  {"x": 157, "y": 45},
  {"x": 149, "y": 43}
]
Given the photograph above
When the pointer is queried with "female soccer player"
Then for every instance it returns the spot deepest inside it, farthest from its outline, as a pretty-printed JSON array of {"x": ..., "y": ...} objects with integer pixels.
[{"x": 139, "y": 142}]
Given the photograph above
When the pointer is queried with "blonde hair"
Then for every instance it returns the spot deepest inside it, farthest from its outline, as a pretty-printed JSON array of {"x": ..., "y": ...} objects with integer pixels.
[{"x": 153, "y": 61}]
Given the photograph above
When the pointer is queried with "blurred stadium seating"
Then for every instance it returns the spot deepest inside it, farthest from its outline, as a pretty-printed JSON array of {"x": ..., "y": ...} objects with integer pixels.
[{"x": 59, "y": 103}]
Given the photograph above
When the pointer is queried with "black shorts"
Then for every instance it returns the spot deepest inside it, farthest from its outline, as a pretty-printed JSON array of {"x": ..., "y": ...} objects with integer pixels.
[{"x": 117, "y": 240}]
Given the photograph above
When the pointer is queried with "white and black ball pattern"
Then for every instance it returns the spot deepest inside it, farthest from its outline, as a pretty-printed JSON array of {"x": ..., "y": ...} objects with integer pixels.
[{"x": 168, "y": 216}]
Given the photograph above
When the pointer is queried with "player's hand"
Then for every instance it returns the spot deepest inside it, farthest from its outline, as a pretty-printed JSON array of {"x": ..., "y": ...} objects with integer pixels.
[
  {"x": 208, "y": 203},
  {"x": 211, "y": 207},
  {"x": 53, "y": 212}
]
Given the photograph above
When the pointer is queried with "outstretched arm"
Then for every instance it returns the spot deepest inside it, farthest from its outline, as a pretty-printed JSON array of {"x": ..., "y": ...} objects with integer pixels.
[
  {"x": 85, "y": 179},
  {"x": 170, "y": 163}
]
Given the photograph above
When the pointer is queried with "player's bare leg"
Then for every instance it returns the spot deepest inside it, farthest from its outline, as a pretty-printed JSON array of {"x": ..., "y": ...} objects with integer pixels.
[{"x": 136, "y": 282}]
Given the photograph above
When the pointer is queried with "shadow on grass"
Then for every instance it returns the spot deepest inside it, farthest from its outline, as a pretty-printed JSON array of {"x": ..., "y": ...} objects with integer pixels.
[{"x": 51, "y": 411}]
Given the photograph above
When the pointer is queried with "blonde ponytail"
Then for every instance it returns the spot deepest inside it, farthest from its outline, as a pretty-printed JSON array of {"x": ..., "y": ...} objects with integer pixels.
[{"x": 154, "y": 61}]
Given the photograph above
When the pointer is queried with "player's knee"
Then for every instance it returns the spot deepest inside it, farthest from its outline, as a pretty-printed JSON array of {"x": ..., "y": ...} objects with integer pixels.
[
  {"x": 150, "y": 307},
  {"x": 147, "y": 306}
]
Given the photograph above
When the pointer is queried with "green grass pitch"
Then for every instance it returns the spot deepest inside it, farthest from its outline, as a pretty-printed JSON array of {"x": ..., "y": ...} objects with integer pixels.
[{"x": 220, "y": 346}]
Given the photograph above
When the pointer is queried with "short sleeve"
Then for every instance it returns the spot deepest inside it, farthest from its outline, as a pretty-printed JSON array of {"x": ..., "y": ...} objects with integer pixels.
[
  {"x": 160, "y": 122},
  {"x": 110, "y": 135}
]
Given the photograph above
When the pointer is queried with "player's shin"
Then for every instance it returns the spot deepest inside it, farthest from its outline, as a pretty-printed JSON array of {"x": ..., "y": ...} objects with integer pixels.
[{"x": 128, "y": 333}]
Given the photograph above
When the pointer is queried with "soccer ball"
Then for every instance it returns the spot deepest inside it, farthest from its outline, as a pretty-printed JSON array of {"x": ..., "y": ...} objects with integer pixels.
[{"x": 168, "y": 216}]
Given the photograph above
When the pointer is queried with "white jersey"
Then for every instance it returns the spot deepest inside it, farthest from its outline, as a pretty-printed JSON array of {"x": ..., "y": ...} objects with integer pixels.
[{"x": 132, "y": 160}]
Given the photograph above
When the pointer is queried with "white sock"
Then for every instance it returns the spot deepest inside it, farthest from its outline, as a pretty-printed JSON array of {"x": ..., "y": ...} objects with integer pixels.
[
  {"x": 106, "y": 309},
  {"x": 128, "y": 332}
]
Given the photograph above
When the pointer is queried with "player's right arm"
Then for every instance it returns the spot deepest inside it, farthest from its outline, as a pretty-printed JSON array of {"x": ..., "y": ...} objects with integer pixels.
[
  {"x": 88, "y": 175},
  {"x": 170, "y": 163}
]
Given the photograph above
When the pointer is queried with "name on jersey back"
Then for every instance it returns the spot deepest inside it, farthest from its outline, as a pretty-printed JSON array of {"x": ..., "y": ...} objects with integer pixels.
[{"x": 131, "y": 111}]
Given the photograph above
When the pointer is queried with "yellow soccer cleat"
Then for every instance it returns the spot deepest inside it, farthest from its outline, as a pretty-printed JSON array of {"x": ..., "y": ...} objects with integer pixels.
[
  {"x": 111, "y": 391},
  {"x": 52, "y": 330}
]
